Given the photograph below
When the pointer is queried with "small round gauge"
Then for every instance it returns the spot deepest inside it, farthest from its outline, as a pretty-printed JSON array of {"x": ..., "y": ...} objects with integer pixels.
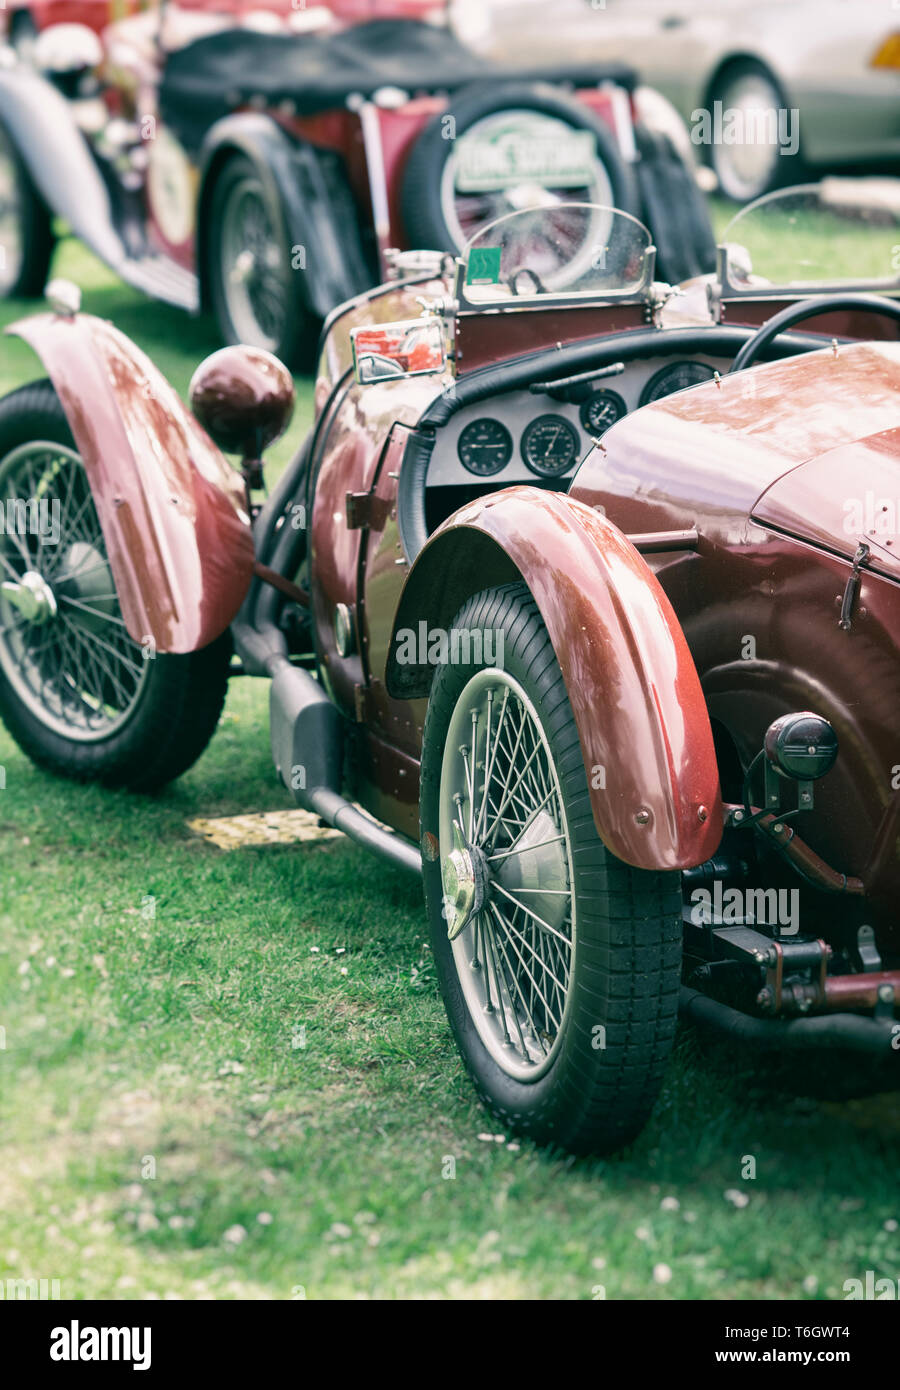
[
  {"x": 677, "y": 376},
  {"x": 550, "y": 445},
  {"x": 601, "y": 410},
  {"x": 484, "y": 447}
]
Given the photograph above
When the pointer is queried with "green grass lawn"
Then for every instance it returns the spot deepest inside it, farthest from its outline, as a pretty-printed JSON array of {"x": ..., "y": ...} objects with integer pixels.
[{"x": 164, "y": 1136}]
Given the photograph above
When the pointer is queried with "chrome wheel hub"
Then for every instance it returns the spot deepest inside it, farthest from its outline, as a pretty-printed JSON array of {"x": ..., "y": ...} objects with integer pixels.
[
  {"x": 506, "y": 874},
  {"x": 32, "y": 596},
  {"x": 64, "y": 647},
  {"x": 243, "y": 268},
  {"x": 464, "y": 876}
]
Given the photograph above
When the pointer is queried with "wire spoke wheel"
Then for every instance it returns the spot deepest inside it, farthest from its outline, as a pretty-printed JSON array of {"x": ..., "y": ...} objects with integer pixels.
[
  {"x": 559, "y": 964},
  {"x": 254, "y": 279},
  {"x": 502, "y": 813},
  {"x": 77, "y": 693},
  {"x": 64, "y": 647}
]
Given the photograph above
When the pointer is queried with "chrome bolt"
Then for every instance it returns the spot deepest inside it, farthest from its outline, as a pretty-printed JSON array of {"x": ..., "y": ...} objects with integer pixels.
[{"x": 32, "y": 596}]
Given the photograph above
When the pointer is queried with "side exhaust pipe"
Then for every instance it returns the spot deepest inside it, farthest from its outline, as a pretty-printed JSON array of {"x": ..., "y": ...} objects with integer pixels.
[
  {"x": 308, "y": 747},
  {"x": 850, "y": 1032}
]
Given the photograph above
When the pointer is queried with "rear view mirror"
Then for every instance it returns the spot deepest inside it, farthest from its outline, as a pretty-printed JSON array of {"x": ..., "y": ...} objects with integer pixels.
[{"x": 412, "y": 347}]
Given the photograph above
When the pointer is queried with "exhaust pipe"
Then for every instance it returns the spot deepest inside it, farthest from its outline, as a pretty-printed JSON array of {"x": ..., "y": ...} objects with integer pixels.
[
  {"x": 308, "y": 750},
  {"x": 833, "y": 1031}
]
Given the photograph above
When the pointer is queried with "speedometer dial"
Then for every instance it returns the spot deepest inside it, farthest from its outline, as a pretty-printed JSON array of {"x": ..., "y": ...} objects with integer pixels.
[
  {"x": 550, "y": 445},
  {"x": 677, "y": 376},
  {"x": 601, "y": 410},
  {"x": 484, "y": 447}
]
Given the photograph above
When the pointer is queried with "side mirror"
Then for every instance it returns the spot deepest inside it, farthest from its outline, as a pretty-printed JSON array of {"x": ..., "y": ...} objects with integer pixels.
[{"x": 413, "y": 347}]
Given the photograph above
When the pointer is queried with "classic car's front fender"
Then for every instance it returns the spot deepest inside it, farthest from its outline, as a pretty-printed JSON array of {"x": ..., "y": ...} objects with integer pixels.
[
  {"x": 170, "y": 507},
  {"x": 41, "y": 125},
  {"x": 634, "y": 691}
]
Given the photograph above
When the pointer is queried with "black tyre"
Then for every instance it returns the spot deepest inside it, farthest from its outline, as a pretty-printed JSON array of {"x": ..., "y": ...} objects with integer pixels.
[
  {"x": 255, "y": 293},
  {"x": 561, "y": 978},
  {"x": 439, "y": 215},
  {"x": 747, "y": 169},
  {"x": 26, "y": 232},
  {"x": 77, "y": 694},
  {"x": 674, "y": 209}
]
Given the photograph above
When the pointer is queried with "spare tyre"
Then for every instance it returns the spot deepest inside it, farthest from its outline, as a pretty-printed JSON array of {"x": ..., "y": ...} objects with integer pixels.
[
  {"x": 674, "y": 209},
  {"x": 500, "y": 149}
]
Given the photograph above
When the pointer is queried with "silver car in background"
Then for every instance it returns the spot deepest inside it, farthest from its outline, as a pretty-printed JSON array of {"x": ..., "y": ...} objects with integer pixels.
[{"x": 761, "y": 86}]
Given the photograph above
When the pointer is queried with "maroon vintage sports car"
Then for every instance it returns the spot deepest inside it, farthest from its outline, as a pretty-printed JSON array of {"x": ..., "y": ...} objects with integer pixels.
[
  {"x": 581, "y": 599},
  {"x": 268, "y": 177}
]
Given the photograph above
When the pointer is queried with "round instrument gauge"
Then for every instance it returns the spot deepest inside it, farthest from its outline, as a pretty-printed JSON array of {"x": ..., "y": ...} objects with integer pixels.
[
  {"x": 484, "y": 447},
  {"x": 601, "y": 410},
  {"x": 550, "y": 445},
  {"x": 677, "y": 376}
]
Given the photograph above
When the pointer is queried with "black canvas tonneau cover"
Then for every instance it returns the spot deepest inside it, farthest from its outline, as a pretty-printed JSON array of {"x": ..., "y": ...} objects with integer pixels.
[{"x": 210, "y": 77}]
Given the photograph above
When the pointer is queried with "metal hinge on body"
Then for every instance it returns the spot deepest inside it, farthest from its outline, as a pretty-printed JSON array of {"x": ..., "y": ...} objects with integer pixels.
[
  {"x": 853, "y": 582},
  {"x": 359, "y": 510}
]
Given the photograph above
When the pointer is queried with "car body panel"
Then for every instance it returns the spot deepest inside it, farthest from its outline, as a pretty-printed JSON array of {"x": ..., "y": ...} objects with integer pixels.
[
  {"x": 346, "y": 463},
  {"x": 629, "y": 676},
  {"x": 769, "y": 421},
  {"x": 171, "y": 509},
  {"x": 767, "y": 467},
  {"x": 822, "y": 500}
]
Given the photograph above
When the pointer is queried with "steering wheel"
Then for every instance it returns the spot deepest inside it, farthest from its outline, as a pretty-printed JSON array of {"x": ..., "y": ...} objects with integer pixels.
[{"x": 807, "y": 309}]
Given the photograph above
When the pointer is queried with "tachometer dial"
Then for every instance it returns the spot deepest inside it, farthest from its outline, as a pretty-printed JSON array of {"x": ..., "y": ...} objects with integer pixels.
[
  {"x": 550, "y": 445},
  {"x": 601, "y": 410},
  {"x": 484, "y": 447},
  {"x": 677, "y": 376}
]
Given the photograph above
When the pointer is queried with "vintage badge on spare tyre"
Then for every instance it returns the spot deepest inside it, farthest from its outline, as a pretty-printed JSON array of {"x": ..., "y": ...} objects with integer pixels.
[{"x": 540, "y": 151}]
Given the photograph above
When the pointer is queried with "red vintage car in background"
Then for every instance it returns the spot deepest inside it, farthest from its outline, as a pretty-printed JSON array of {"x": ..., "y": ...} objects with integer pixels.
[
  {"x": 582, "y": 601},
  {"x": 23, "y": 20},
  {"x": 269, "y": 176}
]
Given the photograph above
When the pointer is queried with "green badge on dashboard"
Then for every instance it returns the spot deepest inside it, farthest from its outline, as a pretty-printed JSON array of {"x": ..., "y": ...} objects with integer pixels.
[{"x": 483, "y": 266}]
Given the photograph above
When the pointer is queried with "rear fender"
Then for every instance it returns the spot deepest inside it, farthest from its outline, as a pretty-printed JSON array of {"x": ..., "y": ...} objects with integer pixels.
[
  {"x": 54, "y": 151},
  {"x": 319, "y": 217},
  {"x": 171, "y": 509},
  {"x": 635, "y": 693}
]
